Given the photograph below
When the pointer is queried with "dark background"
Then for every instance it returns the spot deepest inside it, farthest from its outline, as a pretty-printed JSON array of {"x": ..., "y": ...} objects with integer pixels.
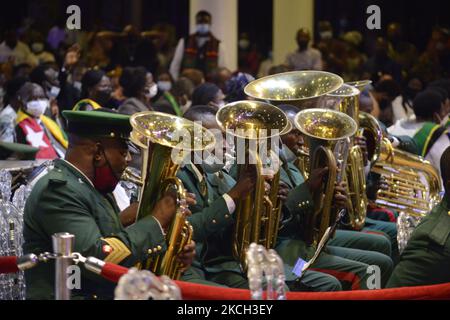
[{"x": 255, "y": 16}]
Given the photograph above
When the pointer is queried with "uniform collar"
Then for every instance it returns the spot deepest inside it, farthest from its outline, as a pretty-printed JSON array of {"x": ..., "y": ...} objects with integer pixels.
[{"x": 75, "y": 169}]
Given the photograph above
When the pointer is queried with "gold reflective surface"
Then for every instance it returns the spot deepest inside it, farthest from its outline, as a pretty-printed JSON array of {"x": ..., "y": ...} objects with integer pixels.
[
  {"x": 325, "y": 124},
  {"x": 361, "y": 84},
  {"x": 293, "y": 86},
  {"x": 345, "y": 91},
  {"x": 249, "y": 118},
  {"x": 170, "y": 131}
]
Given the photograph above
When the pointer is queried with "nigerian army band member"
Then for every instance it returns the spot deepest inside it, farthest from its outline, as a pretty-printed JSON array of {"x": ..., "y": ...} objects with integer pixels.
[
  {"x": 426, "y": 258},
  {"x": 214, "y": 259},
  {"x": 75, "y": 197}
]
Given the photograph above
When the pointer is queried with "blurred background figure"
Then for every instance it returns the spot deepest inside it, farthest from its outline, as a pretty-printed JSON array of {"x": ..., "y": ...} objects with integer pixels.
[
  {"x": 201, "y": 50},
  {"x": 304, "y": 58}
]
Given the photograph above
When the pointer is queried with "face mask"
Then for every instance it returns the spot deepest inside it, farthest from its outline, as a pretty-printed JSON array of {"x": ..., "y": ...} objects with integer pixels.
[
  {"x": 152, "y": 92},
  {"x": 186, "y": 107},
  {"x": 221, "y": 104},
  {"x": 105, "y": 180},
  {"x": 287, "y": 154},
  {"x": 326, "y": 35},
  {"x": 164, "y": 86},
  {"x": 103, "y": 97},
  {"x": 303, "y": 45},
  {"x": 203, "y": 28},
  {"x": 244, "y": 44},
  {"x": 37, "y": 47},
  {"x": 77, "y": 85},
  {"x": 37, "y": 108},
  {"x": 445, "y": 120},
  {"x": 54, "y": 92}
]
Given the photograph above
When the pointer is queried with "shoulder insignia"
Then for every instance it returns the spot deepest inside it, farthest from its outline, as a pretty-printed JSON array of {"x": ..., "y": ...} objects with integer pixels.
[
  {"x": 57, "y": 177},
  {"x": 115, "y": 250}
]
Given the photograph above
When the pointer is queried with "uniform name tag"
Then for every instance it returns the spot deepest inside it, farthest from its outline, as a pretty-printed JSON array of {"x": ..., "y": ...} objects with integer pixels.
[{"x": 299, "y": 267}]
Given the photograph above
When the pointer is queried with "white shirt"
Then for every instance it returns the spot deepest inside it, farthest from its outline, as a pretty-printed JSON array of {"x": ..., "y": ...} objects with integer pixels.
[
  {"x": 7, "y": 124},
  {"x": 399, "y": 112},
  {"x": 309, "y": 59},
  {"x": 228, "y": 200},
  {"x": 436, "y": 151},
  {"x": 405, "y": 127},
  {"x": 175, "y": 66}
]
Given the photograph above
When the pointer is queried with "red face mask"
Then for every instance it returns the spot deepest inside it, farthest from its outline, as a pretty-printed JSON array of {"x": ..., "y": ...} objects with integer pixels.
[{"x": 105, "y": 180}]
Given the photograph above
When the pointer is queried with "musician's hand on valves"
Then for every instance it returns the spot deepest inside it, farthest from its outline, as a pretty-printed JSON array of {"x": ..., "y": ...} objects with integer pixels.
[
  {"x": 316, "y": 178},
  {"x": 283, "y": 191},
  {"x": 361, "y": 142},
  {"x": 340, "y": 196},
  {"x": 187, "y": 256},
  {"x": 245, "y": 184},
  {"x": 166, "y": 208}
]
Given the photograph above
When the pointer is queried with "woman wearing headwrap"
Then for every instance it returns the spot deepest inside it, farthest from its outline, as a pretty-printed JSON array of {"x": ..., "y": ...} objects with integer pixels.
[
  {"x": 235, "y": 86},
  {"x": 208, "y": 94}
]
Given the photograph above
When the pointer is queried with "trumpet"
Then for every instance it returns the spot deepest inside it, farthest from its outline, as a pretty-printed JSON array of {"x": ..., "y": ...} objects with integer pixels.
[
  {"x": 257, "y": 215},
  {"x": 327, "y": 135},
  {"x": 162, "y": 155}
]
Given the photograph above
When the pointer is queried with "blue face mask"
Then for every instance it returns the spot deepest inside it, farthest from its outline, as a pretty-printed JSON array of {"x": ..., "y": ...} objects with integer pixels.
[
  {"x": 203, "y": 28},
  {"x": 287, "y": 154}
]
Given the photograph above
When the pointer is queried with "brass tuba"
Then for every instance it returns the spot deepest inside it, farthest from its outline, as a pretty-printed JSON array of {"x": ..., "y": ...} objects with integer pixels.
[
  {"x": 253, "y": 124},
  {"x": 303, "y": 89},
  {"x": 327, "y": 135},
  {"x": 346, "y": 100},
  {"x": 414, "y": 185},
  {"x": 158, "y": 135}
]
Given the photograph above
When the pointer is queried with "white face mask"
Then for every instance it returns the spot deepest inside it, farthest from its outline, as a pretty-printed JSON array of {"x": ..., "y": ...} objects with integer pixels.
[
  {"x": 186, "y": 107},
  {"x": 77, "y": 85},
  {"x": 54, "y": 92},
  {"x": 164, "y": 86},
  {"x": 445, "y": 120},
  {"x": 326, "y": 35},
  {"x": 244, "y": 44},
  {"x": 37, "y": 108},
  {"x": 203, "y": 28},
  {"x": 152, "y": 92}
]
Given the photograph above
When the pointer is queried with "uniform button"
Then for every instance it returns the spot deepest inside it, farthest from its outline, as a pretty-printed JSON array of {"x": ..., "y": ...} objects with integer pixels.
[
  {"x": 159, "y": 248},
  {"x": 214, "y": 221},
  {"x": 149, "y": 251},
  {"x": 227, "y": 216},
  {"x": 94, "y": 297}
]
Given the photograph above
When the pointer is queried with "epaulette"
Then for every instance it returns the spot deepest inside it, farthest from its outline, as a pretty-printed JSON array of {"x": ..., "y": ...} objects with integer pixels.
[{"x": 57, "y": 177}]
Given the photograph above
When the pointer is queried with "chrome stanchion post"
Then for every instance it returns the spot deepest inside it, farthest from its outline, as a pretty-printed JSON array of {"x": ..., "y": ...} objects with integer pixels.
[{"x": 63, "y": 244}]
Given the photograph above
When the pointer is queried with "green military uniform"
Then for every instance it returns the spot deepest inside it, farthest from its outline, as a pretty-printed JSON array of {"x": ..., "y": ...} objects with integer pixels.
[
  {"x": 65, "y": 200},
  {"x": 347, "y": 255},
  {"x": 426, "y": 258},
  {"x": 211, "y": 216}
]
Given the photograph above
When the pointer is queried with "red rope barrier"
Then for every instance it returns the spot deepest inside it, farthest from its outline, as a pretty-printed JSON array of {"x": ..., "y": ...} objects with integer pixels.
[
  {"x": 113, "y": 272},
  {"x": 191, "y": 291},
  {"x": 8, "y": 265}
]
